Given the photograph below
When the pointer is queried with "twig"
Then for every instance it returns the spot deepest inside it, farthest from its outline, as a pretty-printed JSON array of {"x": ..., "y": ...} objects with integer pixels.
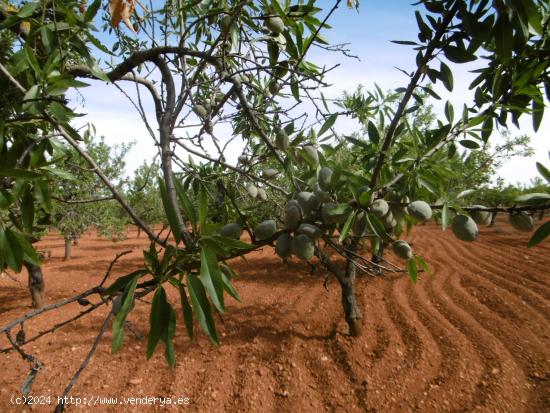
[
  {"x": 36, "y": 365},
  {"x": 57, "y": 326},
  {"x": 111, "y": 265},
  {"x": 37, "y": 312},
  {"x": 61, "y": 405}
]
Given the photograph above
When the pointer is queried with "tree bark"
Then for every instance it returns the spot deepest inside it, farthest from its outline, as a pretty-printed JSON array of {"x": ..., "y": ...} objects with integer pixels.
[
  {"x": 67, "y": 248},
  {"x": 139, "y": 232},
  {"x": 36, "y": 285},
  {"x": 352, "y": 313}
]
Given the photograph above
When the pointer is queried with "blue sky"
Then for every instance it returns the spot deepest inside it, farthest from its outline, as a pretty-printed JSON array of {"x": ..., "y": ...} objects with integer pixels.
[{"x": 369, "y": 33}]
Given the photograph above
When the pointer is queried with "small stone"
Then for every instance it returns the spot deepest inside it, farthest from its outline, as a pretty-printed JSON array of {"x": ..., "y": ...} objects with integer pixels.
[
  {"x": 135, "y": 381},
  {"x": 495, "y": 371}
]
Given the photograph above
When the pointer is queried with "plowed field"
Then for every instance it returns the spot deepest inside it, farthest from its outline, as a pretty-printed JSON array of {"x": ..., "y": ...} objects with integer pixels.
[{"x": 472, "y": 336}]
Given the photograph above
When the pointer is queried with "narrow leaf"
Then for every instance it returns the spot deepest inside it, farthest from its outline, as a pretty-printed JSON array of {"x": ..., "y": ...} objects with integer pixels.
[
  {"x": 328, "y": 124},
  {"x": 540, "y": 234}
]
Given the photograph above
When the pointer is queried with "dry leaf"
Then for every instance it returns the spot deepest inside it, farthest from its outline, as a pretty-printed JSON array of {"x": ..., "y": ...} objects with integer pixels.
[{"x": 122, "y": 10}]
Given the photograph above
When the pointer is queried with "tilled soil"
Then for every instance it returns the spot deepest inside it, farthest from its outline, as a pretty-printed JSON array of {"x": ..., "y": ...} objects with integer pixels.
[{"x": 472, "y": 336}]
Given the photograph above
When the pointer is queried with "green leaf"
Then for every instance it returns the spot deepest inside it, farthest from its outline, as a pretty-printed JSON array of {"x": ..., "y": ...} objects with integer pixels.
[
  {"x": 211, "y": 278},
  {"x": 121, "y": 282},
  {"x": 27, "y": 10},
  {"x": 340, "y": 209},
  {"x": 92, "y": 10},
  {"x": 28, "y": 99},
  {"x": 162, "y": 322},
  {"x": 543, "y": 171},
  {"x": 347, "y": 226},
  {"x": 295, "y": 89},
  {"x": 97, "y": 43},
  {"x": 9, "y": 22},
  {"x": 13, "y": 249},
  {"x": 533, "y": 199},
  {"x": 47, "y": 38},
  {"x": 328, "y": 124},
  {"x": 374, "y": 136},
  {"x": 487, "y": 129},
  {"x": 469, "y": 144},
  {"x": 503, "y": 39},
  {"x": 366, "y": 197},
  {"x": 29, "y": 253},
  {"x": 446, "y": 76},
  {"x": 404, "y": 42},
  {"x": 533, "y": 15},
  {"x": 540, "y": 234},
  {"x": 357, "y": 142},
  {"x": 203, "y": 208},
  {"x": 445, "y": 216},
  {"x": 229, "y": 287},
  {"x": 458, "y": 54},
  {"x": 33, "y": 62},
  {"x": 97, "y": 72},
  {"x": 377, "y": 226},
  {"x": 6, "y": 257},
  {"x": 19, "y": 173},
  {"x": 422, "y": 263},
  {"x": 202, "y": 307},
  {"x": 538, "y": 111},
  {"x": 157, "y": 320},
  {"x": 27, "y": 211},
  {"x": 412, "y": 269},
  {"x": 449, "y": 112},
  {"x": 6, "y": 199},
  {"x": 187, "y": 312},
  {"x": 122, "y": 314}
]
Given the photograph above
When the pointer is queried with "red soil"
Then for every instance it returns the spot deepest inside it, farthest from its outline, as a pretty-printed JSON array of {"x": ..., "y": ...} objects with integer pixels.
[{"x": 473, "y": 336}]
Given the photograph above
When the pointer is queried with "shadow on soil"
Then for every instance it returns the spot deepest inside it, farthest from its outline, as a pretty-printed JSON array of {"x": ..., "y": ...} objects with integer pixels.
[{"x": 11, "y": 298}]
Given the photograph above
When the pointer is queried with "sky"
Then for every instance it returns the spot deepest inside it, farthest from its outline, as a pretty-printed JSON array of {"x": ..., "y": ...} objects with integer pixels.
[{"x": 368, "y": 33}]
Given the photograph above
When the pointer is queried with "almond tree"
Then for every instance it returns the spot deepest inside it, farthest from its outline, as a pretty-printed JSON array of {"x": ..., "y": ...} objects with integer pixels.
[
  {"x": 80, "y": 200},
  {"x": 209, "y": 67}
]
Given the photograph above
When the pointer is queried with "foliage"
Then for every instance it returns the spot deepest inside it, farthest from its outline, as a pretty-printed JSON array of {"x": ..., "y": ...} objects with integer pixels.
[
  {"x": 80, "y": 200},
  {"x": 143, "y": 194}
]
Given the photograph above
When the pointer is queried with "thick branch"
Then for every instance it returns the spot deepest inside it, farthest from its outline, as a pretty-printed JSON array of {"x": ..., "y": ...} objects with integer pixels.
[{"x": 408, "y": 93}]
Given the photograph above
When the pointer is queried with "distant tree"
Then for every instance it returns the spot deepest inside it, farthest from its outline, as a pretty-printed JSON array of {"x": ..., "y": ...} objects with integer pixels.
[
  {"x": 81, "y": 201},
  {"x": 143, "y": 194}
]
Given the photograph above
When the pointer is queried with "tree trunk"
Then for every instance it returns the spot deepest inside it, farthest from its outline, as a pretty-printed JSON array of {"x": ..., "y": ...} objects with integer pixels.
[
  {"x": 67, "y": 248},
  {"x": 352, "y": 313},
  {"x": 493, "y": 219},
  {"x": 139, "y": 231},
  {"x": 36, "y": 285}
]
